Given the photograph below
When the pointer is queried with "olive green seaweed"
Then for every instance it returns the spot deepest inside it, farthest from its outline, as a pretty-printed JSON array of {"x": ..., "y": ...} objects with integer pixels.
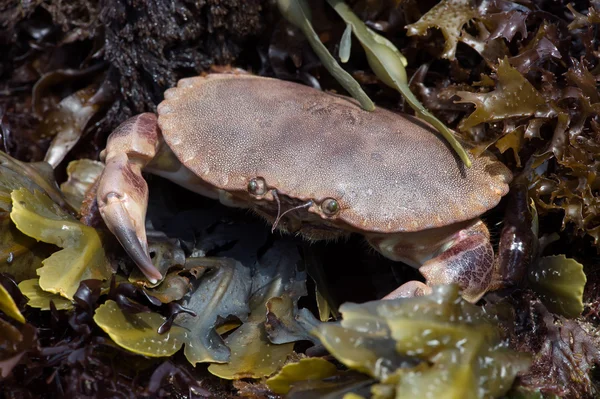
[
  {"x": 435, "y": 346},
  {"x": 82, "y": 256},
  {"x": 253, "y": 355},
  {"x": 325, "y": 310},
  {"x": 218, "y": 295},
  {"x": 222, "y": 292},
  {"x": 173, "y": 288},
  {"x": 20, "y": 255},
  {"x": 286, "y": 323},
  {"x": 559, "y": 281},
  {"x": 15, "y": 174},
  {"x": 341, "y": 385},
  {"x": 352, "y": 395},
  {"x": 449, "y": 16},
  {"x": 166, "y": 254},
  {"x": 297, "y": 12},
  {"x": 8, "y": 305},
  {"x": 305, "y": 369},
  {"x": 326, "y": 301},
  {"x": 389, "y": 66},
  {"x": 513, "y": 97},
  {"x": 138, "y": 333},
  {"x": 346, "y": 44},
  {"x": 40, "y": 299}
]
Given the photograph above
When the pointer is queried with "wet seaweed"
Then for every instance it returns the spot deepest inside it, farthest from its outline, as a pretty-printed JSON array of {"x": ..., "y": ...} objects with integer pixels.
[{"x": 517, "y": 78}]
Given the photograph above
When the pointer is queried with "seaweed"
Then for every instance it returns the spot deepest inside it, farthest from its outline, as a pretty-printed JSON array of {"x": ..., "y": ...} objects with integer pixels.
[
  {"x": 171, "y": 38},
  {"x": 21, "y": 255},
  {"x": 146, "y": 50},
  {"x": 253, "y": 352},
  {"x": 297, "y": 12},
  {"x": 564, "y": 353},
  {"x": 449, "y": 16},
  {"x": 67, "y": 122},
  {"x": 541, "y": 56},
  {"x": 82, "y": 174},
  {"x": 82, "y": 256},
  {"x": 304, "y": 370},
  {"x": 437, "y": 345},
  {"x": 138, "y": 333},
  {"x": 219, "y": 294},
  {"x": 40, "y": 299},
  {"x": 9, "y": 307},
  {"x": 389, "y": 66},
  {"x": 559, "y": 282},
  {"x": 513, "y": 97},
  {"x": 383, "y": 57}
]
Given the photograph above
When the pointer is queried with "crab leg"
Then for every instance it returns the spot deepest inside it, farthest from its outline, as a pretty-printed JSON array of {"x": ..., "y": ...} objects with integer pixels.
[
  {"x": 136, "y": 145},
  {"x": 465, "y": 258},
  {"x": 123, "y": 192},
  {"x": 468, "y": 262}
]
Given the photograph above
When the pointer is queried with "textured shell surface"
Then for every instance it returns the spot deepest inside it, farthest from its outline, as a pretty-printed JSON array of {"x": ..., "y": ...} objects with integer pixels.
[{"x": 389, "y": 172}]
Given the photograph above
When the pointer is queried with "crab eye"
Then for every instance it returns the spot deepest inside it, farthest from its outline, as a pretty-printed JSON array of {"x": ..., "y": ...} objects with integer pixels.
[
  {"x": 330, "y": 207},
  {"x": 257, "y": 186}
]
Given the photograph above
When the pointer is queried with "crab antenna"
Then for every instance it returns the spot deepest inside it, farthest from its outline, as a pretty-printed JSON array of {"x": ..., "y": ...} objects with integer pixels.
[
  {"x": 274, "y": 193},
  {"x": 279, "y": 214}
]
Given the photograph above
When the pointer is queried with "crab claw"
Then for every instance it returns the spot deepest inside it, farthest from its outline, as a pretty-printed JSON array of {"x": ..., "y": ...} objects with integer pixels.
[
  {"x": 123, "y": 192},
  {"x": 131, "y": 237}
]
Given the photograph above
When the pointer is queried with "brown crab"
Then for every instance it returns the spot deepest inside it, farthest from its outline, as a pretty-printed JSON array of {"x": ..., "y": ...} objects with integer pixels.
[{"x": 332, "y": 168}]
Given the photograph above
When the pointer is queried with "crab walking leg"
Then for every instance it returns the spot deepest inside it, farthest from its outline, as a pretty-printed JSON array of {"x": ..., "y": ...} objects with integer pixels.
[
  {"x": 123, "y": 192},
  {"x": 468, "y": 262},
  {"x": 465, "y": 258}
]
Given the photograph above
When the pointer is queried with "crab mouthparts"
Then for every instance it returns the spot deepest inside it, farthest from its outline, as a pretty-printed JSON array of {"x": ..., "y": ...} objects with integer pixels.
[{"x": 280, "y": 215}]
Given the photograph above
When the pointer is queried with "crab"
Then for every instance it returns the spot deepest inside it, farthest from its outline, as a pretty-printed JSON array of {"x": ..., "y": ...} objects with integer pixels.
[{"x": 311, "y": 163}]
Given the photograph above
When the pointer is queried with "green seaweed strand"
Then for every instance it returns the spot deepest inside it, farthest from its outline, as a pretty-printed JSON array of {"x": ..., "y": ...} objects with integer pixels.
[
  {"x": 388, "y": 64},
  {"x": 346, "y": 44},
  {"x": 296, "y": 11}
]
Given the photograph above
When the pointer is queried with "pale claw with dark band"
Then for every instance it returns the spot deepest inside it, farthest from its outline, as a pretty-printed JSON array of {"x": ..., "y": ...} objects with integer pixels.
[{"x": 119, "y": 222}]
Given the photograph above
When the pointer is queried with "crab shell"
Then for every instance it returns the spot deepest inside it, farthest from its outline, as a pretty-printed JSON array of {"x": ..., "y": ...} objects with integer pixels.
[{"x": 388, "y": 172}]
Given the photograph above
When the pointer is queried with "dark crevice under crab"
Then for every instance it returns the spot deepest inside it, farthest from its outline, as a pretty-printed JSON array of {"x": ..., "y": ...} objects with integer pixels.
[{"x": 272, "y": 145}]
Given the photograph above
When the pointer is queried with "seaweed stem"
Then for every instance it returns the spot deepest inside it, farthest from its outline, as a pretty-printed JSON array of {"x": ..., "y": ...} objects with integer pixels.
[{"x": 389, "y": 66}]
